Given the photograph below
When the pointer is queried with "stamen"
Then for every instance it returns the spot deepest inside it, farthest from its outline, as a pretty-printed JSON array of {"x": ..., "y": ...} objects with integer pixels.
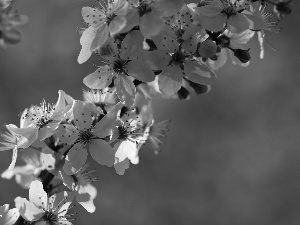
[
  {"x": 82, "y": 176},
  {"x": 85, "y": 136},
  {"x": 40, "y": 115}
]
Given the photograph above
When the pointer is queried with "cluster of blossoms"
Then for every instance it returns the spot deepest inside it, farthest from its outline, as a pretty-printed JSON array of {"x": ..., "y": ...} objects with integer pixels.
[
  {"x": 168, "y": 47},
  {"x": 56, "y": 140},
  {"x": 148, "y": 47}
]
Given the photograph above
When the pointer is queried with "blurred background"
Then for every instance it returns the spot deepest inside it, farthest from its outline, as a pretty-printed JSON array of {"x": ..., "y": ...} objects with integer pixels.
[{"x": 232, "y": 156}]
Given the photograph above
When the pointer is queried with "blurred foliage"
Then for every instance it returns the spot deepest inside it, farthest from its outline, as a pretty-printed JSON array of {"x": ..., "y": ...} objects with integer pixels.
[{"x": 232, "y": 156}]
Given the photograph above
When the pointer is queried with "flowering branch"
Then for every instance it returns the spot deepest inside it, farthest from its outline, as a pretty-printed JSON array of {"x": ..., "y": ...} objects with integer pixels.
[{"x": 164, "y": 48}]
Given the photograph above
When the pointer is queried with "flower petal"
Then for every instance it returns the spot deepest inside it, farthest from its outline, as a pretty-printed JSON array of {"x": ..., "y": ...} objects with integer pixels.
[
  {"x": 198, "y": 73},
  {"x": 119, "y": 7},
  {"x": 125, "y": 90},
  {"x": 52, "y": 161},
  {"x": 215, "y": 23},
  {"x": 11, "y": 217},
  {"x": 191, "y": 30},
  {"x": 4, "y": 209},
  {"x": 14, "y": 158},
  {"x": 25, "y": 180},
  {"x": 210, "y": 10},
  {"x": 166, "y": 8},
  {"x": 47, "y": 130},
  {"x": 240, "y": 39},
  {"x": 132, "y": 19},
  {"x": 151, "y": 24},
  {"x": 76, "y": 159},
  {"x": 129, "y": 116},
  {"x": 120, "y": 167},
  {"x": 190, "y": 46},
  {"x": 67, "y": 179},
  {"x": 82, "y": 116},
  {"x": 127, "y": 149},
  {"x": 28, "y": 210},
  {"x": 100, "y": 79},
  {"x": 28, "y": 135},
  {"x": 62, "y": 203},
  {"x": 166, "y": 43},
  {"x": 105, "y": 126},
  {"x": 256, "y": 22},
  {"x": 116, "y": 132},
  {"x": 108, "y": 50},
  {"x": 140, "y": 70},
  {"x": 167, "y": 85},
  {"x": 157, "y": 60},
  {"x": 60, "y": 105},
  {"x": 93, "y": 16},
  {"x": 185, "y": 16},
  {"x": 24, "y": 120},
  {"x": 86, "y": 196},
  {"x": 86, "y": 40},
  {"x": 85, "y": 54},
  {"x": 170, "y": 79},
  {"x": 101, "y": 36},
  {"x": 116, "y": 25},
  {"x": 67, "y": 133},
  {"x": 88, "y": 36},
  {"x": 237, "y": 23},
  {"x": 102, "y": 152},
  {"x": 37, "y": 195},
  {"x": 132, "y": 45},
  {"x": 174, "y": 72}
]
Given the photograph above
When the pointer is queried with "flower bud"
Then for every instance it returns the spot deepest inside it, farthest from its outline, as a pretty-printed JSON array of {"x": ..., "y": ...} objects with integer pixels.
[
  {"x": 207, "y": 49},
  {"x": 243, "y": 55},
  {"x": 183, "y": 93},
  {"x": 200, "y": 89}
]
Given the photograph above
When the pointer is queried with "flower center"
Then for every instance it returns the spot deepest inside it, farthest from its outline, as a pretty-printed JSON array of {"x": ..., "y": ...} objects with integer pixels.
[
  {"x": 119, "y": 66},
  {"x": 85, "y": 136},
  {"x": 40, "y": 115},
  {"x": 229, "y": 11},
  {"x": 123, "y": 133},
  {"x": 179, "y": 32},
  {"x": 82, "y": 176},
  {"x": 110, "y": 17},
  {"x": 178, "y": 58},
  {"x": 75, "y": 178},
  {"x": 131, "y": 131},
  {"x": 48, "y": 219},
  {"x": 143, "y": 9}
]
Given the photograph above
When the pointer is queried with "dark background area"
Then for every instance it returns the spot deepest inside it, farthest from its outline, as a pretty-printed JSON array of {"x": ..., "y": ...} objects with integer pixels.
[{"x": 232, "y": 156}]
